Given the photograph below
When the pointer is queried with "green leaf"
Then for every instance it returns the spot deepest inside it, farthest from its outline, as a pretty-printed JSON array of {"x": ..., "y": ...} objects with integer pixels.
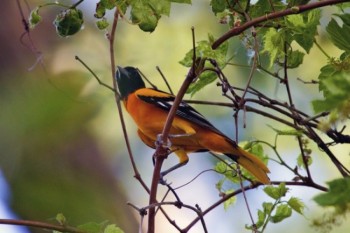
[
  {"x": 218, "y": 6},
  {"x": 300, "y": 161},
  {"x": 345, "y": 18},
  {"x": 100, "y": 10},
  {"x": 267, "y": 207},
  {"x": 69, "y": 22},
  {"x": 34, "y": 17},
  {"x": 276, "y": 192},
  {"x": 283, "y": 211},
  {"x": 122, "y": 5},
  {"x": 288, "y": 132},
  {"x": 297, "y": 205},
  {"x": 263, "y": 7},
  {"x": 92, "y": 227},
  {"x": 109, "y": 4},
  {"x": 104, "y": 5},
  {"x": 112, "y": 228},
  {"x": 229, "y": 173},
  {"x": 274, "y": 44},
  {"x": 256, "y": 149},
  {"x": 204, "y": 51},
  {"x": 261, "y": 218},
  {"x": 220, "y": 167},
  {"x": 343, "y": 6},
  {"x": 61, "y": 219},
  {"x": 219, "y": 184},
  {"x": 296, "y": 21},
  {"x": 338, "y": 194},
  {"x": 229, "y": 202},
  {"x": 303, "y": 28},
  {"x": 203, "y": 80},
  {"x": 295, "y": 59},
  {"x": 340, "y": 36},
  {"x": 297, "y": 2},
  {"x": 182, "y": 1},
  {"x": 327, "y": 72},
  {"x": 102, "y": 24},
  {"x": 335, "y": 85},
  {"x": 146, "y": 13}
]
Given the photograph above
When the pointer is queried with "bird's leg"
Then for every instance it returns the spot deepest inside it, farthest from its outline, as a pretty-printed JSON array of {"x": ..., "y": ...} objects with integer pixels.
[
  {"x": 180, "y": 135},
  {"x": 183, "y": 159},
  {"x": 164, "y": 173},
  {"x": 188, "y": 131},
  {"x": 160, "y": 142}
]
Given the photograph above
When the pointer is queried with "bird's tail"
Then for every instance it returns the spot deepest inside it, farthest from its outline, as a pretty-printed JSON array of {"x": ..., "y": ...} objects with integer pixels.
[{"x": 252, "y": 163}]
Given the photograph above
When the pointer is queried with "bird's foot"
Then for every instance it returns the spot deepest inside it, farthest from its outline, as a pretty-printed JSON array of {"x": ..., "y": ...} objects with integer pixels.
[
  {"x": 162, "y": 181},
  {"x": 160, "y": 141}
]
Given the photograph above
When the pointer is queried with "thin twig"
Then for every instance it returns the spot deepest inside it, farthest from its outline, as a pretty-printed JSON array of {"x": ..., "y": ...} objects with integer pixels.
[
  {"x": 31, "y": 45},
  {"x": 321, "y": 49},
  {"x": 290, "y": 99},
  {"x": 239, "y": 172},
  {"x": 111, "y": 38},
  {"x": 165, "y": 80},
  {"x": 93, "y": 73},
  {"x": 147, "y": 80}
]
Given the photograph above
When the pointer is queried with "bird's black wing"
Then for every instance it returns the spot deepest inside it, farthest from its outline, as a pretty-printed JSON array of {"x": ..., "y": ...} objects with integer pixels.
[{"x": 184, "y": 110}]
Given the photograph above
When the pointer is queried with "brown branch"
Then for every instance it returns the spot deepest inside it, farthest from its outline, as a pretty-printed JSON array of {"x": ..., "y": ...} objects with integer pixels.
[
  {"x": 295, "y": 114},
  {"x": 41, "y": 225},
  {"x": 111, "y": 39},
  {"x": 251, "y": 187},
  {"x": 162, "y": 152},
  {"x": 294, "y": 10},
  {"x": 31, "y": 46}
]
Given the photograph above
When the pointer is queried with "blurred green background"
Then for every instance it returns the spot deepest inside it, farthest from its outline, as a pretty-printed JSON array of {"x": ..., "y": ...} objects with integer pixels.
[{"x": 61, "y": 144}]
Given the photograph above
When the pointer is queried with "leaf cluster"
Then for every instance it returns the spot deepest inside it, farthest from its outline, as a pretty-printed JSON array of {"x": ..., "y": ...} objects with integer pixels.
[
  {"x": 338, "y": 198},
  {"x": 334, "y": 78},
  {"x": 90, "y": 227},
  {"x": 204, "y": 52},
  {"x": 229, "y": 170},
  {"x": 67, "y": 23},
  {"x": 279, "y": 210},
  {"x": 144, "y": 13}
]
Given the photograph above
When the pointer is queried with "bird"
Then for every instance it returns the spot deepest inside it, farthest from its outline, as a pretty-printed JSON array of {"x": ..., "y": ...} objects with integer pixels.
[{"x": 190, "y": 131}]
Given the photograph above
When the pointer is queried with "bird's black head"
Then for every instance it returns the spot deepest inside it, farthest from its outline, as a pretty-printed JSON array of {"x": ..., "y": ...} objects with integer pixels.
[{"x": 129, "y": 80}]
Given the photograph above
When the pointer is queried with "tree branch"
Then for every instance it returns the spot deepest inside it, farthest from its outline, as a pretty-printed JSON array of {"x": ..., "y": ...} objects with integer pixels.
[
  {"x": 41, "y": 225},
  {"x": 294, "y": 10}
]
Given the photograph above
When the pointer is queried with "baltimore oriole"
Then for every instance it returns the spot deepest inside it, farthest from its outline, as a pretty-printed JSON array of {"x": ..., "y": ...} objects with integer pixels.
[{"x": 190, "y": 131}]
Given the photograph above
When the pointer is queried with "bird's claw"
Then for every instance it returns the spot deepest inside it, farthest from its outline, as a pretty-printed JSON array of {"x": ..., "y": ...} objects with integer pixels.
[
  {"x": 162, "y": 181},
  {"x": 160, "y": 142}
]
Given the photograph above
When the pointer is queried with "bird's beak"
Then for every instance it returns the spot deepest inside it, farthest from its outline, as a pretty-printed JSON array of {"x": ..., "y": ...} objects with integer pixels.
[{"x": 121, "y": 73}]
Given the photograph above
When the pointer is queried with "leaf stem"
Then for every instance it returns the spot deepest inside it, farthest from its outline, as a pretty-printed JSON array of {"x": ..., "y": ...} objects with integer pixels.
[{"x": 321, "y": 49}]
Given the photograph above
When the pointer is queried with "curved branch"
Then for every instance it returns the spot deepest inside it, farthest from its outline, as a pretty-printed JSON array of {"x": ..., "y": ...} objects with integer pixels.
[
  {"x": 310, "y": 184},
  {"x": 294, "y": 10}
]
